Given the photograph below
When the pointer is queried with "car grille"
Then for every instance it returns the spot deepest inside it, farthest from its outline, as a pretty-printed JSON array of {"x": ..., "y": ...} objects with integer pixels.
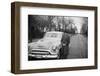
[{"x": 38, "y": 52}]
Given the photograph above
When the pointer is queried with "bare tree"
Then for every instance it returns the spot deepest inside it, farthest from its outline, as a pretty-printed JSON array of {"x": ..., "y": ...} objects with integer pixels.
[{"x": 84, "y": 28}]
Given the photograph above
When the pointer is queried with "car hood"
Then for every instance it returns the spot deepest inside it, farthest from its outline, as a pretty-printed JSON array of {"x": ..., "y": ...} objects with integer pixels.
[{"x": 44, "y": 44}]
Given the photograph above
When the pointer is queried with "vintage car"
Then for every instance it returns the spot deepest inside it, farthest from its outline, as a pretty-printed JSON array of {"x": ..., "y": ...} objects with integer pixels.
[{"x": 47, "y": 47}]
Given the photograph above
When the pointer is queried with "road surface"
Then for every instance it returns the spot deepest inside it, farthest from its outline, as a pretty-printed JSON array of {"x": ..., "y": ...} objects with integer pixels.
[{"x": 78, "y": 47}]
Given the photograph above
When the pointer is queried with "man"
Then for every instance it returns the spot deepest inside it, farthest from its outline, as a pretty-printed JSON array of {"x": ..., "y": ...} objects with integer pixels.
[{"x": 65, "y": 46}]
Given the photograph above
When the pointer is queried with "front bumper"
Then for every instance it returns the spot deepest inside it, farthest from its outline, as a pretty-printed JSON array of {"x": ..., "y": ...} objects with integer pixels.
[{"x": 42, "y": 56}]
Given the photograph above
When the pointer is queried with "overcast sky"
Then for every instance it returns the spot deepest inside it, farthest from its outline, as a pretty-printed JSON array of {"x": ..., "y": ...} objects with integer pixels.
[{"x": 78, "y": 21}]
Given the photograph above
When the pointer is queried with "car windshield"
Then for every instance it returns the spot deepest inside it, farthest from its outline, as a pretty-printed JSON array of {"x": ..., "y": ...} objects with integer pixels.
[{"x": 52, "y": 35}]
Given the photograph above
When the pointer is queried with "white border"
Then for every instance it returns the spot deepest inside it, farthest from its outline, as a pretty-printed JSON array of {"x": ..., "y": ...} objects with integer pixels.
[{"x": 25, "y": 64}]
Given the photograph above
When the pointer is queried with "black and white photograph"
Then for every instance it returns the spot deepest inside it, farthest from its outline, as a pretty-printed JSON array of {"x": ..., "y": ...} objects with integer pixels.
[{"x": 53, "y": 37}]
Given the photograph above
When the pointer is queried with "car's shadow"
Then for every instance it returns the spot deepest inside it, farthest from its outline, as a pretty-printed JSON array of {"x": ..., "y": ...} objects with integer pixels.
[{"x": 34, "y": 59}]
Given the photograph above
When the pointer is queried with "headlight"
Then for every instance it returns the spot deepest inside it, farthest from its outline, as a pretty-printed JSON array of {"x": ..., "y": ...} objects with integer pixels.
[
  {"x": 29, "y": 49},
  {"x": 54, "y": 48}
]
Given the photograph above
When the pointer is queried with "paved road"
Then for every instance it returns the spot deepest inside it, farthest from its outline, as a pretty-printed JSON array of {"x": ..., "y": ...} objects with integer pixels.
[{"x": 78, "y": 47}]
